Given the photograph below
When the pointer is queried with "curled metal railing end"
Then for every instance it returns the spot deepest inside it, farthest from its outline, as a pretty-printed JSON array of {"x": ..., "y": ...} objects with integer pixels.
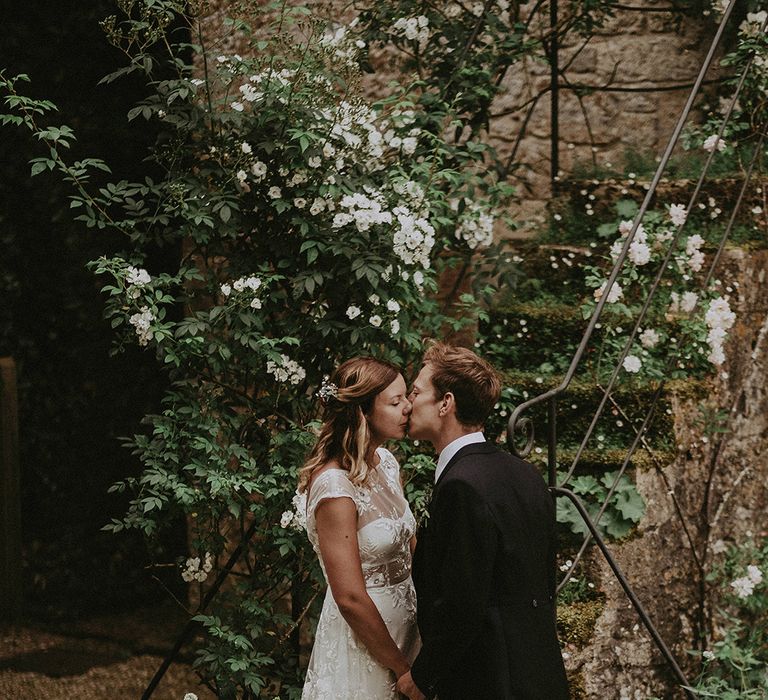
[{"x": 516, "y": 424}]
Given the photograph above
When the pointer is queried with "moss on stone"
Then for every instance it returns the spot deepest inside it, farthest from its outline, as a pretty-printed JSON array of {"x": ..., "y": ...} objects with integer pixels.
[
  {"x": 576, "y": 621},
  {"x": 577, "y": 686}
]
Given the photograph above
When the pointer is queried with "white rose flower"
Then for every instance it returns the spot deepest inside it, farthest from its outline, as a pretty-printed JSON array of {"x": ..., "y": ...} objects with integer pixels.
[
  {"x": 688, "y": 301},
  {"x": 299, "y": 202},
  {"x": 238, "y": 106},
  {"x": 409, "y": 145},
  {"x": 226, "y": 289},
  {"x": 255, "y": 303},
  {"x": 375, "y": 320},
  {"x": 632, "y": 364},
  {"x": 141, "y": 322},
  {"x": 626, "y": 226},
  {"x": 754, "y": 574},
  {"x": 696, "y": 261},
  {"x": 286, "y": 519},
  {"x": 719, "y": 314},
  {"x": 353, "y": 312},
  {"x": 639, "y": 253},
  {"x": 274, "y": 192},
  {"x": 314, "y": 162},
  {"x": 713, "y": 142},
  {"x": 259, "y": 169},
  {"x": 678, "y": 214},
  {"x": 719, "y": 547},
  {"x": 392, "y": 305},
  {"x": 245, "y": 147},
  {"x": 394, "y": 327},
  {"x": 318, "y": 205},
  {"x": 649, "y": 338},
  {"x": 138, "y": 277},
  {"x": 693, "y": 243},
  {"x": 614, "y": 295},
  {"x": 743, "y": 587}
]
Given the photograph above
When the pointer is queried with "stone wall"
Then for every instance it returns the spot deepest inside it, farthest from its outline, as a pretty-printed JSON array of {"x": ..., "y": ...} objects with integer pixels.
[{"x": 634, "y": 51}]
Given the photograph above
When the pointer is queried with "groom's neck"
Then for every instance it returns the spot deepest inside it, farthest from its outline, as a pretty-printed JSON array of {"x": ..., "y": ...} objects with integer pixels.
[{"x": 451, "y": 433}]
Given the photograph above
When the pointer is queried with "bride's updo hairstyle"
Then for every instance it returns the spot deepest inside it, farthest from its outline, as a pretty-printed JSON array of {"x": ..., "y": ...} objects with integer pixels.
[{"x": 345, "y": 435}]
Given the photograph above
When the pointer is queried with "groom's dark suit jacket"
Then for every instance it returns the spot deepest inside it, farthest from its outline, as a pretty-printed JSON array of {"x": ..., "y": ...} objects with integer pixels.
[{"x": 485, "y": 581}]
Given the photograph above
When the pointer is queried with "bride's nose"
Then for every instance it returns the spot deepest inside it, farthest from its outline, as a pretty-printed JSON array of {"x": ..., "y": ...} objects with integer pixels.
[{"x": 408, "y": 407}]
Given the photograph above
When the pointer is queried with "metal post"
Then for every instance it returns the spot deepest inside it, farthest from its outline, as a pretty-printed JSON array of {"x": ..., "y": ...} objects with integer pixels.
[
  {"x": 10, "y": 502},
  {"x": 554, "y": 50},
  {"x": 552, "y": 446}
]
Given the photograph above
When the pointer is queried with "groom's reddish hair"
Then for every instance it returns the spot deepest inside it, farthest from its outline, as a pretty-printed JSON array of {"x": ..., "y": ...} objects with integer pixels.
[{"x": 474, "y": 383}]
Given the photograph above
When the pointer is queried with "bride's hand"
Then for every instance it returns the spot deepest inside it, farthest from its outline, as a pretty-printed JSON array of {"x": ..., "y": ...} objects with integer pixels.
[{"x": 407, "y": 687}]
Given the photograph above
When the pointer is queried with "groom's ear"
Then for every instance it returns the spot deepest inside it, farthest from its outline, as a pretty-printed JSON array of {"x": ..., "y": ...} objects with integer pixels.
[{"x": 447, "y": 404}]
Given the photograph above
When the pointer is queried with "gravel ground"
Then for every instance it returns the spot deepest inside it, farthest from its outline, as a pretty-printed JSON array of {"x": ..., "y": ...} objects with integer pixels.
[{"x": 95, "y": 659}]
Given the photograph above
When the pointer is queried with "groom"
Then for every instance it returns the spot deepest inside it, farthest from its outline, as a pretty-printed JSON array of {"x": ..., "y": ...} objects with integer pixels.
[{"x": 484, "y": 564}]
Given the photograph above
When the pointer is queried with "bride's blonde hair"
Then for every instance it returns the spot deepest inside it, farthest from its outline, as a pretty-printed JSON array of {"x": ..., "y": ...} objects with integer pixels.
[{"x": 344, "y": 434}]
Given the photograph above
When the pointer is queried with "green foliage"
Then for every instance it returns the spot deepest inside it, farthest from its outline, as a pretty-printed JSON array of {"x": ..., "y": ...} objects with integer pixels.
[
  {"x": 621, "y": 513},
  {"x": 733, "y": 666}
]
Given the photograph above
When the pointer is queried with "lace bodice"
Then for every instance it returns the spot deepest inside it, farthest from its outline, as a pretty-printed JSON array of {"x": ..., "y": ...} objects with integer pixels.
[{"x": 385, "y": 523}]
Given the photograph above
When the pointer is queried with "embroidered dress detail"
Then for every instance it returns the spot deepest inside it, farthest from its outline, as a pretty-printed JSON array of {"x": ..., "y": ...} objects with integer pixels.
[{"x": 341, "y": 668}]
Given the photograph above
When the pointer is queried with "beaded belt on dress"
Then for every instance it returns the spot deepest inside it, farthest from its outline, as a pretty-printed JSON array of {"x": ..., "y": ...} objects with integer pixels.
[{"x": 387, "y": 574}]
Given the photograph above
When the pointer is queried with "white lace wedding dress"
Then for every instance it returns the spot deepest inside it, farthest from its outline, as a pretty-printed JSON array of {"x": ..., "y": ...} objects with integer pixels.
[{"x": 340, "y": 667}]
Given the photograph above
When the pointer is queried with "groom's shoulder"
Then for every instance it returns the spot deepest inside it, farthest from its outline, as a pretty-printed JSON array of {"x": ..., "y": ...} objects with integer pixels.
[{"x": 487, "y": 462}]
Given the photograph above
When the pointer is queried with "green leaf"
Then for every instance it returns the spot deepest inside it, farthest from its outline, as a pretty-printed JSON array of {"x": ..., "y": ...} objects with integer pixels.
[
  {"x": 630, "y": 504},
  {"x": 627, "y": 208}
]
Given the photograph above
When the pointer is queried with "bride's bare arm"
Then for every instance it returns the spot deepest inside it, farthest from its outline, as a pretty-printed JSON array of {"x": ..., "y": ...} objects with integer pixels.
[{"x": 336, "y": 520}]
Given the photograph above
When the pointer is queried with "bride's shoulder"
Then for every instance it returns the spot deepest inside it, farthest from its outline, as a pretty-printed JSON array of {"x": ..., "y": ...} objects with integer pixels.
[{"x": 330, "y": 472}]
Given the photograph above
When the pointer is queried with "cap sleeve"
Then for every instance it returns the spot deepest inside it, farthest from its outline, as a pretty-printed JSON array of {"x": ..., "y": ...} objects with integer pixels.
[{"x": 332, "y": 483}]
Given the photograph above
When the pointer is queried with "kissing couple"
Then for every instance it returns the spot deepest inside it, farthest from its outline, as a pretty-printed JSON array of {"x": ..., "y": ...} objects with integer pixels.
[{"x": 464, "y": 611}]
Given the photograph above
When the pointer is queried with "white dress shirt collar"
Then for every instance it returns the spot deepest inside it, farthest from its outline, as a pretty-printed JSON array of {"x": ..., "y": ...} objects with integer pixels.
[{"x": 453, "y": 447}]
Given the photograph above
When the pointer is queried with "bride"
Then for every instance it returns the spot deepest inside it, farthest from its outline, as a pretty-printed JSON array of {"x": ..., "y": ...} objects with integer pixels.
[{"x": 362, "y": 530}]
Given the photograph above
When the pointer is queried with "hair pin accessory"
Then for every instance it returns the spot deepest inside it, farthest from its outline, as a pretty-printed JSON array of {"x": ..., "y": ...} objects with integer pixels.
[{"x": 327, "y": 391}]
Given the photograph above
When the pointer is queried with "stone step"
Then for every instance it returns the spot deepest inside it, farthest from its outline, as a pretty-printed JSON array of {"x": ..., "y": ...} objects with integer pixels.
[
  {"x": 534, "y": 335},
  {"x": 582, "y": 205},
  {"x": 629, "y": 404},
  {"x": 548, "y": 273}
]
